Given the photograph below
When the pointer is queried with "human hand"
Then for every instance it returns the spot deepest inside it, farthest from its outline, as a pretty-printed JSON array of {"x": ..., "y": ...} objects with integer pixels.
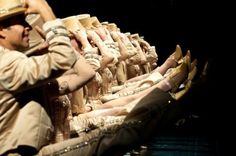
[
  {"x": 39, "y": 7},
  {"x": 80, "y": 35}
]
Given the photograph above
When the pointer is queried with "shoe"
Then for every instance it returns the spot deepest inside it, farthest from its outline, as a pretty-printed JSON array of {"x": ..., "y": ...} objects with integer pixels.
[
  {"x": 205, "y": 69},
  {"x": 188, "y": 54},
  {"x": 193, "y": 64},
  {"x": 178, "y": 95},
  {"x": 176, "y": 57},
  {"x": 193, "y": 70},
  {"x": 179, "y": 74},
  {"x": 188, "y": 83}
]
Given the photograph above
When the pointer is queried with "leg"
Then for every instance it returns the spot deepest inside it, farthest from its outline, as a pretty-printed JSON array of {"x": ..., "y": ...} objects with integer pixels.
[
  {"x": 171, "y": 62},
  {"x": 118, "y": 139},
  {"x": 171, "y": 82}
]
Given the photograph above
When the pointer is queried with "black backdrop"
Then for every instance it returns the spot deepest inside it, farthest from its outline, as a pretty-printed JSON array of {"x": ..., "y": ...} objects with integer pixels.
[{"x": 163, "y": 23}]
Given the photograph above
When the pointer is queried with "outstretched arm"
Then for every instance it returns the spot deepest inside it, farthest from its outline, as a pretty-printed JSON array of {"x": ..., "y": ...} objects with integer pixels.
[{"x": 81, "y": 73}]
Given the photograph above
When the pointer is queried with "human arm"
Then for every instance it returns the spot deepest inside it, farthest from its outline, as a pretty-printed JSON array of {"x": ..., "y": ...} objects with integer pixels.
[
  {"x": 17, "y": 70},
  {"x": 41, "y": 7},
  {"x": 81, "y": 73}
]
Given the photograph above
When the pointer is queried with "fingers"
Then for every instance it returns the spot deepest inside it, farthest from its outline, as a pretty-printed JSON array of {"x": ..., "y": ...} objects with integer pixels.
[
  {"x": 29, "y": 5},
  {"x": 39, "y": 6},
  {"x": 80, "y": 35}
]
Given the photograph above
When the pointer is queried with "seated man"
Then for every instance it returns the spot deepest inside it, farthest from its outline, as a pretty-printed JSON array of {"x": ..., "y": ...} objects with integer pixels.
[{"x": 25, "y": 124}]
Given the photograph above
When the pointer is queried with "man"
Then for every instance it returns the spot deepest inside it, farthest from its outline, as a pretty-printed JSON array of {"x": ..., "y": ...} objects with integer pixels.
[{"x": 24, "y": 122}]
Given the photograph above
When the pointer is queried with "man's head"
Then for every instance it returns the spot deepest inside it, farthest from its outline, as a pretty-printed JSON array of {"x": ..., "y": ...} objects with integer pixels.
[{"x": 14, "y": 30}]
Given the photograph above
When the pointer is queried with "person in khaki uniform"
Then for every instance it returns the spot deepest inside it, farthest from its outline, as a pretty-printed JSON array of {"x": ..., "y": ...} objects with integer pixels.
[
  {"x": 25, "y": 125},
  {"x": 24, "y": 122}
]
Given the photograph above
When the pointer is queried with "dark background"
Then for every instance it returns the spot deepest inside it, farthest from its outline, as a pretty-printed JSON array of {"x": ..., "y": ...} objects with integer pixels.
[
  {"x": 164, "y": 23},
  {"x": 200, "y": 26}
]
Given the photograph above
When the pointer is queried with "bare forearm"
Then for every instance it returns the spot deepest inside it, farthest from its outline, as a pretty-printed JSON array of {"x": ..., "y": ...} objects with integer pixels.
[
  {"x": 83, "y": 69},
  {"x": 75, "y": 78}
]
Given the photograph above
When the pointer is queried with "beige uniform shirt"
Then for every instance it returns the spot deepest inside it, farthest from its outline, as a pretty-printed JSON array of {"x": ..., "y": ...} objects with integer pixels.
[{"x": 28, "y": 123}]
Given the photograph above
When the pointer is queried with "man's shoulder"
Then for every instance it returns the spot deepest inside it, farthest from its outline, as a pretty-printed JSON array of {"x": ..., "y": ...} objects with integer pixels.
[{"x": 10, "y": 54}]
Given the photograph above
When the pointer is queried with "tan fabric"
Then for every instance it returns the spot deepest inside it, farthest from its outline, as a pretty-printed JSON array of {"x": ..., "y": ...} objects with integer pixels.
[
  {"x": 24, "y": 123},
  {"x": 10, "y": 8},
  {"x": 118, "y": 138},
  {"x": 121, "y": 72}
]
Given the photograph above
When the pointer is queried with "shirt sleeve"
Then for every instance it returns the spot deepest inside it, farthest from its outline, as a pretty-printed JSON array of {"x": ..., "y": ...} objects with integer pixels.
[{"x": 17, "y": 70}]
